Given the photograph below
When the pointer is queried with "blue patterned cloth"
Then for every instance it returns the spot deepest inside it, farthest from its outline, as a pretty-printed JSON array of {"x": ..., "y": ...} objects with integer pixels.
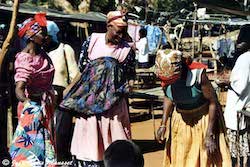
[{"x": 100, "y": 87}]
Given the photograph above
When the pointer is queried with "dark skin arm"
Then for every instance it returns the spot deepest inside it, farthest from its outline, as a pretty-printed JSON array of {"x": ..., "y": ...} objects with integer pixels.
[
  {"x": 210, "y": 95},
  {"x": 168, "y": 107},
  {"x": 20, "y": 88},
  {"x": 75, "y": 80}
]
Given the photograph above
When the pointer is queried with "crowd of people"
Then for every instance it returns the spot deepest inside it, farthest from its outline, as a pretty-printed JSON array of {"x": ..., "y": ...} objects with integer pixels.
[{"x": 53, "y": 88}]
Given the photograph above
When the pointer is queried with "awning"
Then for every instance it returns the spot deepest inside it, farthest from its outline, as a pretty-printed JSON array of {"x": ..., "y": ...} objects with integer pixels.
[
  {"x": 227, "y": 6},
  {"x": 29, "y": 10},
  {"x": 232, "y": 22}
]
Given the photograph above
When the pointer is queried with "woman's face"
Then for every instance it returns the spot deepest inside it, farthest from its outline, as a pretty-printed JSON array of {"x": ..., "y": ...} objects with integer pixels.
[
  {"x": 115, "y": 33},
  {"x": 39, "y": 38}
]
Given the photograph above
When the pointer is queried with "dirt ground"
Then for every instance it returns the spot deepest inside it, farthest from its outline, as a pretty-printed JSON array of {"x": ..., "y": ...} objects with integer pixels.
[{"x": 143, "y": 135}]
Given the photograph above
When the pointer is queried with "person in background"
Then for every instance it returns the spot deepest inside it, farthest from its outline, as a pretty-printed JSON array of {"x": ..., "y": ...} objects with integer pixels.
[
  {"x": 238, "y": 99},
  {"x": 63, "y": 58},
  {"x": 196, "y": 136},
  {"x": 89, "y": 94},
  {"x": 123, "y": 153},
  {"x": 32, "y": 143},
  {"x": 142, "y": 49}
]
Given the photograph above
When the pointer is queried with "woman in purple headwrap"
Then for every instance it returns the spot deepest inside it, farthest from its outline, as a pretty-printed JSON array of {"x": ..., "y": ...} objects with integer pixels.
[{"x": 34, "y": 71}]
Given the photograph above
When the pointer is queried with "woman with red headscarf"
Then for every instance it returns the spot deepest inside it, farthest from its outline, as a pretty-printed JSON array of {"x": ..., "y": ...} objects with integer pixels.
[
  {"x": 196, "y": 135},
  {"x": 34, "y": 71}
]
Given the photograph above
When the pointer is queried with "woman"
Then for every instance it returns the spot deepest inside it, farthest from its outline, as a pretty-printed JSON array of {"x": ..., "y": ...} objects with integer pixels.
[
  {"x": 32, "y": 143},
  {"x": 196, "y": 135},
  {"x": 94, "y": 133}
]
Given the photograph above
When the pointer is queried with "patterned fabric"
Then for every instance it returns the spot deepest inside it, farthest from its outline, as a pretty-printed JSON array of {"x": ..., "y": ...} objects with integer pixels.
[
  {"x": 32, "y": 26},
  {"x": 83, "y": 59},
  {"x": 95, "y": 133},
  {"x": 168, "y": 66},
  {"x": 127, "y": 63},
  {"x": 243, "y": 143},
  {"x": 99, "y": 88},
  {"x": 34, "y": 120},
  {"x": 31, "y": 144},
  {"x": 80, "y": 163}
]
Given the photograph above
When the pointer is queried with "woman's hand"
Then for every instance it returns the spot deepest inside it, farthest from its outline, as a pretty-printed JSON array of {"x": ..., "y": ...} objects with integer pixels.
[
  {"x": 129, "y": 86},
  {"x": 211, "y": 147},
  {"x": 26, "y": 101},
  {"x": 160, "y": 135},
  {"x": 66, "y": 90}
]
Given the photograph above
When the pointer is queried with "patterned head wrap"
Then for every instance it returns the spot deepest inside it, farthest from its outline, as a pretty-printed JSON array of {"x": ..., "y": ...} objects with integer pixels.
[
  {"x": 32, "y": 26},
  {"x": 116, "y": 18},
  {"x": 168, "y": 65}
]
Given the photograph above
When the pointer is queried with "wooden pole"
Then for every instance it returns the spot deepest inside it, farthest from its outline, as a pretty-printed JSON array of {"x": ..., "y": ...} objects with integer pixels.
[
  {"x": 10, "y": 35},
  {"x": 8, "y": 112},
  {"x": 193, "y": 29},
  {"x": 166, "y": 28}
]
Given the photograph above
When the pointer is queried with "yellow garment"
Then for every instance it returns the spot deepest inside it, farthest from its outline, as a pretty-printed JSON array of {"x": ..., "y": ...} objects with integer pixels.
[{"x": 186, "y": 147}]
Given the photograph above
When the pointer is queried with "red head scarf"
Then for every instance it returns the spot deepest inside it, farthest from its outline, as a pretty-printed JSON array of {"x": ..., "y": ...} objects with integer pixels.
[{"x": 32, "y": 26}]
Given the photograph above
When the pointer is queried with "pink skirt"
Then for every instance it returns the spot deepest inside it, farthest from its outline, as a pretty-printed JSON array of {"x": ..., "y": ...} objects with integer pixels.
[{"x": 92, "y": 135}]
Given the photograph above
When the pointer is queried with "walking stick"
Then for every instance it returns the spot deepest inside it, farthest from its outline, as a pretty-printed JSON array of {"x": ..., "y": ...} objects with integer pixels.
[{"x": 10, "y": 35}]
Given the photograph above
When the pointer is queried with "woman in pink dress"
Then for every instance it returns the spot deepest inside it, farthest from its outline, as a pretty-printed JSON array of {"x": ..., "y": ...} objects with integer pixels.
[
  {"x": 34, "y": 71},
  {"x": 94, "y": 133}
]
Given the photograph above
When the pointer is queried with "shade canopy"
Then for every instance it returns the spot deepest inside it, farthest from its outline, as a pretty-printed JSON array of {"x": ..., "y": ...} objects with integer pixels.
[{"x": 227, "y": 6}]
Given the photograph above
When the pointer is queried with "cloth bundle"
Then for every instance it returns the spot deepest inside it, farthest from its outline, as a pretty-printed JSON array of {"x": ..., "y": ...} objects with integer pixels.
[{"x": 100, "y": 87}]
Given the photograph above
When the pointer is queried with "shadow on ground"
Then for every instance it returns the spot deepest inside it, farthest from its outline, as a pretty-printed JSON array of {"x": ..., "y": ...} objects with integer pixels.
[{"x": 148, "y": 146}]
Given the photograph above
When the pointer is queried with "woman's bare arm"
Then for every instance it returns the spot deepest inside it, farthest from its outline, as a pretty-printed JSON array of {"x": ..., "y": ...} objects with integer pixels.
[
  {"x": 20, "y": 88},
  {"x": 210, "y": 95},
  {"x": 74, "y": 81},
  {"x": 168, "y": 107}
]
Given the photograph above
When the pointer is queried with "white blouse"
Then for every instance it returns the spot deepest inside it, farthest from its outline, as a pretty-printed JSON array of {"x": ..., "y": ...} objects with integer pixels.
[
  {"x": 57, "y": 56},
  {"x": 240, "y": 97}
]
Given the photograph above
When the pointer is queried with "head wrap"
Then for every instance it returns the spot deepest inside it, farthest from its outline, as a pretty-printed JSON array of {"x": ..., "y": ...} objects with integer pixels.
[
  {"x": 116, "y": 18},
  {"x": 31, "y": 26},
  {"x": 52, "y": 30},
  {"x": 167, "y": 63}
]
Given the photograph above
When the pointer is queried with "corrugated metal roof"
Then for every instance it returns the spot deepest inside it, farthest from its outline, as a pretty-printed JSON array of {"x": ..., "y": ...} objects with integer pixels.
[
  {"x": 232, "y": 22},
  {"x": 25, "y": 9}
]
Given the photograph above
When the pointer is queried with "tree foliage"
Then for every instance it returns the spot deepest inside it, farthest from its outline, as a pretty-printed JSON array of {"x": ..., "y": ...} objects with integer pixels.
[
  {"x": 174, "y": 5},
  {"x": 106, "y": 5},
  {"x": 102, "y": 5}
]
